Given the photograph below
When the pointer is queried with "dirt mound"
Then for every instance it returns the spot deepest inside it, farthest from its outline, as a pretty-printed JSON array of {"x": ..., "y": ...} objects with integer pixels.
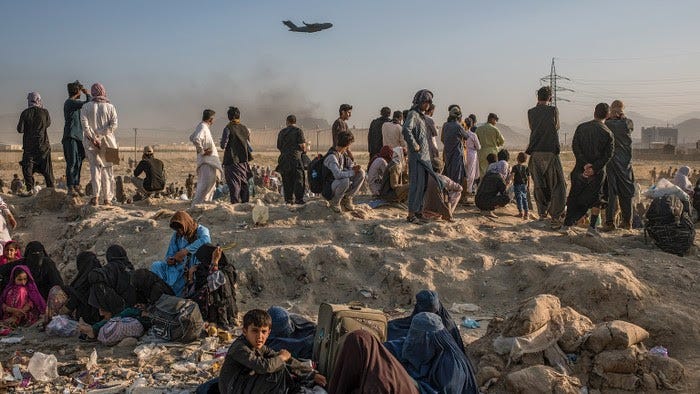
[{"x": 525, "y": 349}]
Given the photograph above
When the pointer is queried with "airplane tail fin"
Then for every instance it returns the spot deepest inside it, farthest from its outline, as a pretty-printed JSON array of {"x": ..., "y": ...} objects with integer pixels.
[{"x": 290, "y": 25}]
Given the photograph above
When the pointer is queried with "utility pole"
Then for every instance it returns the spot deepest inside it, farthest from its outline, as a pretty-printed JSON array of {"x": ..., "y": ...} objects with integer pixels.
[
  {"x": 135, "y": 131},
  {"x": 553, "y": 81}
]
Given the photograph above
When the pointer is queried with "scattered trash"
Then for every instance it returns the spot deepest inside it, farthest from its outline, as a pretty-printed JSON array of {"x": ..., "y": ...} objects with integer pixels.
[
  {"x": 184, "y": 367},
  {"x": 659, "y": 350},
  {"x": 470, "y": 323},
  {"x": 366, "y": 293},
  {"x": 16, "y": 372},
  {"x": 209, "y": 344},
  {"x": 138, "y": 383},
  {"x": 464, "y": 308},
  {"x": 43, "y": 367},
  {"x": 147, "y": 351},
  {"x": 11, "y": 340},
  {"x": 70, "y": 369},
  {"x": 92, "y": 361},
  {"x": 221, "y": 352},
  {"x": 572, "y": 357}
]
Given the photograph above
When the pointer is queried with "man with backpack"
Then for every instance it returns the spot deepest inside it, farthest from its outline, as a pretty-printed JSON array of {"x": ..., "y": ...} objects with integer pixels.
[
  {"x": 342, "y": 177},
  {"x": 292, "y": 145}
]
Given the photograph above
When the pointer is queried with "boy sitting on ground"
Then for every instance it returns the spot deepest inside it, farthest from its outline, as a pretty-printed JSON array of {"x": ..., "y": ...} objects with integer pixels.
[{"x": 252, "y": 367}]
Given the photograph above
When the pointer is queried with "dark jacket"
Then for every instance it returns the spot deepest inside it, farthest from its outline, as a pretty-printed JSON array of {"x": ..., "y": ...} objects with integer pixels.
[
  {"x": 236, "y": 148},
  {"x": 491, "y": 192},
  {"x": 155, "y": 175},
  {"x": 289, "y": 140},
  {"x": 375, "y": 141},
  {"x": 544, "y": 127},
  {"x": 33, "y": 123},
  {"x": 592, "y": 143},
  {"x": 71, "y": 113}
]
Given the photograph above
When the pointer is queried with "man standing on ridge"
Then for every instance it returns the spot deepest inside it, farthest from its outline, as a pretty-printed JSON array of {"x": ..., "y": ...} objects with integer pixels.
[
  {"x": 374, "y": 135},
  {"x": 36, "y": 157},
  {"x": 341, "y": 125},
  {"x": 73, "y": 150},
  {"x": 208, "y": 164},
  {"x": 545, "y": 165}
]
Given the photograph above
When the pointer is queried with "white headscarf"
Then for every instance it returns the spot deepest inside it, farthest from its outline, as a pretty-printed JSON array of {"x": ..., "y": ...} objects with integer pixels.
[{"x": 681, "y": 180}]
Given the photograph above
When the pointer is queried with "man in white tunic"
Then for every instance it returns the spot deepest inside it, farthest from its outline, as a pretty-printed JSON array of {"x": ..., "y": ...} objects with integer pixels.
[
  {"x": 208, "y": 164},
  {"x": 99, "y": 121}
]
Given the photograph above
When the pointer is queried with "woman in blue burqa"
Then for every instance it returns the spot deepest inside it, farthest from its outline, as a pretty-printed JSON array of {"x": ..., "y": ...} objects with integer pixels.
[
  {"x": 426, "y": 301},
  {"x": 291, "y": 332},
  {"x": 431, "y": 356}
]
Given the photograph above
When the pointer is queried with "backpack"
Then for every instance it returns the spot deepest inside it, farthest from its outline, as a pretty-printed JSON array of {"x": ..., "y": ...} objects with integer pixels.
[
  {"x": 335, "y": 322},
  {"x": 669, "y": 225},
  {"x": 315, "y": 174},
  {"x": 176, "y": 319}
]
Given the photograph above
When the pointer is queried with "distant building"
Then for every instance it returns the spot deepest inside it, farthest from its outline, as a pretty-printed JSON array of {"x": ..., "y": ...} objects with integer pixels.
[{"x": 659, "y": 135}]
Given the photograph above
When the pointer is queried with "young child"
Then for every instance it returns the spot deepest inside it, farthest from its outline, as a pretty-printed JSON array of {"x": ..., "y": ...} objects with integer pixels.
[
  {"x": 22, "y": 303},
  {"x": 252, "y": 367},
  {"x": 10, "y": 252},
  {"x": 520, "y": 174}
]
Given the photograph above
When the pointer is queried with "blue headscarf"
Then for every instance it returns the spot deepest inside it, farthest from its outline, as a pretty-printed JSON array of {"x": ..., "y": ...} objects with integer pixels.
[
  {"x": 432, "y": 357},
  {"x": 426, "y": 301},
  {"x": 291, "y": 332}
]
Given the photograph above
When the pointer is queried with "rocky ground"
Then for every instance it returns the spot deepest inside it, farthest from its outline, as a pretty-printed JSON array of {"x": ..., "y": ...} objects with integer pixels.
[{"x": 307, "y": 255}]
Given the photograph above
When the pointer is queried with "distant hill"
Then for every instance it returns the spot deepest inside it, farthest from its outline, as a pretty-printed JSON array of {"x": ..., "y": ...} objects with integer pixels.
[
  {"x": 514, "y": 139},
  {"x": 689, "y": 130},
  {"x": 684, "y": 117}
]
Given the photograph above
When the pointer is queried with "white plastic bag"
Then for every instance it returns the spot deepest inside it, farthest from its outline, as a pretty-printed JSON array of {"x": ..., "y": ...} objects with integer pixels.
[
  {"x": 43, "y": 367},
  {"x": 664, "y": 187},
  {"x": 261, "y": 213}
]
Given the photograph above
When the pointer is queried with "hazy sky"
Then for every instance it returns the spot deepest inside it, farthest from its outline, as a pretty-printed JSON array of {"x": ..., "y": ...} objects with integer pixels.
[{"x": 162, "y": 62}]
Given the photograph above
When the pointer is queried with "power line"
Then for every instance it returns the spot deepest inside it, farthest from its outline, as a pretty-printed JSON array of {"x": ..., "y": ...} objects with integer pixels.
[{"x": 553, "y": 79}]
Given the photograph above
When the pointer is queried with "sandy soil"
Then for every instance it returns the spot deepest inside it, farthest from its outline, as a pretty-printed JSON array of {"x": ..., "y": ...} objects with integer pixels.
[{"x": 307, "y": 255}]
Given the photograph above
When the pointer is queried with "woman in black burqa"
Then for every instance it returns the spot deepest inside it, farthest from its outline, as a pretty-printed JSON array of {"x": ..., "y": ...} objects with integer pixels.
[
  {"x": 212, "y": 286},
  {"x": 42, "y": 268}
]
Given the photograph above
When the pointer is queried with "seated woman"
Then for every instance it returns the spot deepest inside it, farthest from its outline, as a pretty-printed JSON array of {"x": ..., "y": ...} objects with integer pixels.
[
  {"x": 21, "y": 302},
  {"x": 112, "y": 282},
  {"x": 10, "y": 252},
  {"x": 376, "y": 169},
  {"x": 441, "y": 202},
  {"x": 148, "y": 286},
  {"x": 78, "y": 291},
  {"x": 426, "y": 301},
  {"x": 365, "y": 366},
  {"x": 188, "y": 237},
  {"x": 212, "y": 285},
  {"x": 491, "y": 192},
  {"x": 395, "y": 182},
  {"x": 42, "y": 268},
  {"x": 291, "y": 332},
  {"x": 432, "y": 357}
]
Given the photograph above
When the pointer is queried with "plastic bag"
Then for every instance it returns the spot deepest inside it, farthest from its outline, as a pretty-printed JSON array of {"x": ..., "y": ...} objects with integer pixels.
[
  {"x": 664, "y": 187},
  {"x": 261, "y": 213},
  {"x": 43, "y": 367},
  {"x": 62, "y": 326}
]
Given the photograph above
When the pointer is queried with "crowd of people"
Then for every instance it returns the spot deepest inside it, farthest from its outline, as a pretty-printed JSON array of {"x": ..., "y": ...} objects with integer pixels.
[{"x": 424, "y": 352}]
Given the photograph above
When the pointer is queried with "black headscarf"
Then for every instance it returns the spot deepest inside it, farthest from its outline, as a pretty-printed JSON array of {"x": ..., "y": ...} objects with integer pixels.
[
  {"x": 42, "y": 268},
  {"x": 79, "y": 289},
  {"x": 149, "y": 286},
  {"x": 86, "y": 262},
  {"x": 117, "y": 255}
]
